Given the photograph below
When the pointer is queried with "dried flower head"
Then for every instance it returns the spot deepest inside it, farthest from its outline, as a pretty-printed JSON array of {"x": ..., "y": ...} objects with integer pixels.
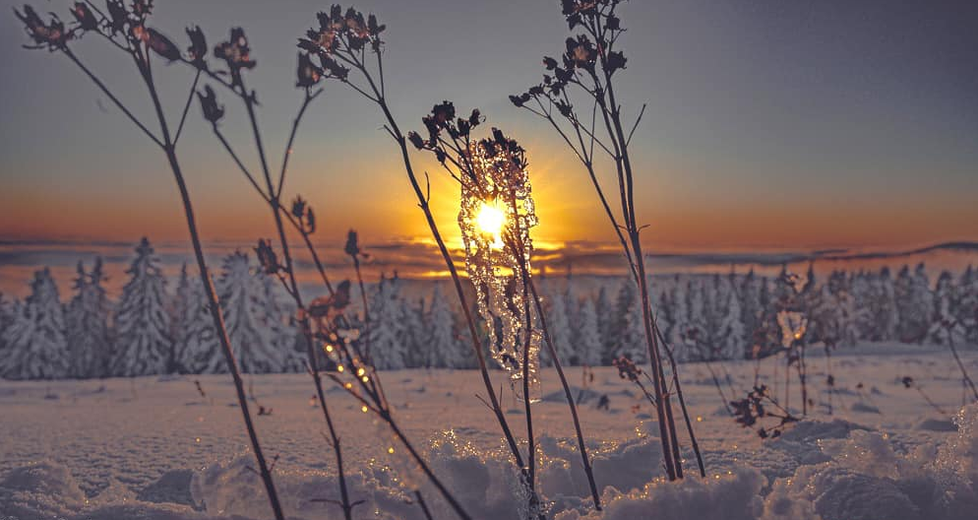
[
  {"x": 236, "y": 53},
  {"x": 496, "y": 214},
  {"x": 85, "y": 17},
  {"x": 307, "y": 74},
  {"x": 51, "y": 35},
  {"x": 267, "y": 257},
  {"x": 197, "y": 51},
  {"x": 208, "y": 105}
]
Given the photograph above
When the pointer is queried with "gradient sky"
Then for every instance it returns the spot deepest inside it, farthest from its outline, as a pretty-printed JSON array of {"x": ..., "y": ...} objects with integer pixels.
[{"x": 770, "y": 124}]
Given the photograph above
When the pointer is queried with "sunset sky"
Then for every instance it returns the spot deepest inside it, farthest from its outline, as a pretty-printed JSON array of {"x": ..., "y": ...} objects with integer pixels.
[{"x": 770, "y": 125}]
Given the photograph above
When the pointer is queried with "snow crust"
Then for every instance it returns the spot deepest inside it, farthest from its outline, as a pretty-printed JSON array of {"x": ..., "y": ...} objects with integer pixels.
[{"x": 855, "y": 465}]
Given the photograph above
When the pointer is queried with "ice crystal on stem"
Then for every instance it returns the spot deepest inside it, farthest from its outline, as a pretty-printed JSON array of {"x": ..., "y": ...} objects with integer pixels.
[{"x": 496, "y": 215}]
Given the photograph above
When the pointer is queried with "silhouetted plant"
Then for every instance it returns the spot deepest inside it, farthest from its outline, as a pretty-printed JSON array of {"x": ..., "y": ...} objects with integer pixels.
[
  {"x": 494, "y": 181},
  {"x": 349, "y": 42},
  {"x": 758, "y": 405},
  {"x": 126, "y": 29},
  {"x": 909, "y": 382},
  {"x": 587, "y": 69}
]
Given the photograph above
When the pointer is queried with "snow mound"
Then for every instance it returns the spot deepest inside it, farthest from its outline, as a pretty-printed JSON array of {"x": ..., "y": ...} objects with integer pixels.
[
  {"x": 865, "y": 479},
  {"x": 733, "y": 496}
]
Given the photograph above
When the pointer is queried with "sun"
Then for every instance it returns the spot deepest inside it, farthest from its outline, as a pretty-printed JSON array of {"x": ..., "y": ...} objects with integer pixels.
[{"x": 490, "y": 221}]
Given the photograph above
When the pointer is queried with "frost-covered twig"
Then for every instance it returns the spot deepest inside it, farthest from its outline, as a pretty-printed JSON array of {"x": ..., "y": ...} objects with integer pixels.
[{"x": 341, "y": 42}]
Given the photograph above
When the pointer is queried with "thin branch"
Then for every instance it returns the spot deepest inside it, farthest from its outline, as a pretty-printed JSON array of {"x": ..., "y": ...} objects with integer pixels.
[
  {"x": 112, "y": 97},
  {"x": 186, "y": 107}
]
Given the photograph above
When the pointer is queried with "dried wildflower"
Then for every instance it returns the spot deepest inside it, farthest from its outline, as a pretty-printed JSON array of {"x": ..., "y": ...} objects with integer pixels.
[
  {"x": 627, "y": 369},
  {"x": 236, "y": 53},
  {"x": 267, "y": 258},
  {"x": 298, "y": 207},
  {"x": 86, "y": 19},
  {"x": 142, "y": 8},
  {"x": 496, "y": 214},
  {"x": 307, "y": 74},
  {"x": 51, "y": 35},
  {"x": 350, "y": 31},
  {"x": 352, "y": 247},
  {"x": 758, "y": 404},
  {"x": 118, "y": 17},
  {"x": 198, "y": 47},
  {"x": 161, "y": 44},
  {"x": 208, "y": 105}
]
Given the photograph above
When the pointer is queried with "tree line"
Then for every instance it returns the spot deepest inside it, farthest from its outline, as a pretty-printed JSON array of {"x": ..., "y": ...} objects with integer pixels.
[{"x": 151, "y": 330}]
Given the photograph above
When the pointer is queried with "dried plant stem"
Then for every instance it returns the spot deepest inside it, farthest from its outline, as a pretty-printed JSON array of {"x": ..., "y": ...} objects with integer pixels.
[
  {"x": 682, "y": 404},
  {"x": 548, "y": 338},
  {"x": 380, "y": 99},
  {"x": 964, "y": 372},
  {"x": 271, "y": 196},
  {"x": 141, "y": 58}
]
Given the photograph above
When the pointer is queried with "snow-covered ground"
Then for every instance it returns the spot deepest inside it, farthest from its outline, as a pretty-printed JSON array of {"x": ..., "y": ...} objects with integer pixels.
[{"x": 154, "y": 448}]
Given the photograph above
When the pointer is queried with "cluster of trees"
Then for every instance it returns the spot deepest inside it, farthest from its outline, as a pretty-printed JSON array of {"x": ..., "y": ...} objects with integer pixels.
[
  {"x": 150, "y": 330},
  {"x": 736, "y": 316}
]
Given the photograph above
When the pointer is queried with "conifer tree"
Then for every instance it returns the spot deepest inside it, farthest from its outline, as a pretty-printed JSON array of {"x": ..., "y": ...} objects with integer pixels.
[
  {"x": 198, "y": 350},
  {"x": 966, "y": 307},
  {"x": 751, "y": 310},
  {"x": 606, "y": 325},
  {"x": 560, "y": 332},
  {"x": 35, "y": 343},
  {"x": 387, "y": 331},
  {"x": 443, "y": 344},
  {"x": 945, "y": 328},
  {"x": 142, "y": 339},
  {"x": 914, "y": 303},
  {"x": 588, "y": 339},
  {"x": 87, "y": 328},
  {"x": 255, "y": 331}
]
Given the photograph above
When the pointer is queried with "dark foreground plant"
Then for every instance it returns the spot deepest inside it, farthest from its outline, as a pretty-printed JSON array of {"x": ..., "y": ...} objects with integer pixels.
[
  {"x": 493, "y": 177},
  {"x": 235, "y": 53},
  {"x": 125, "y": 28},
  {"x": 345, "y": 42},
  {"x": 586, "y": 70},
  {"x": 758, "y": 405}
]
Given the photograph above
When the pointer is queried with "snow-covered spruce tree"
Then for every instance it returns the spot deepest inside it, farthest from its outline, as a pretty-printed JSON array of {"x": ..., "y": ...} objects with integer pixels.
[
  {"x": 628, "y": 333},
  {"x": 695, "y": 338},
  {"x": 728, "y": 335},
  {"x": 387, "y": 331},
  {"x": 198, "y": 350},
  {"x": 35, "y": 341},
  {"x": 281, "y": 329},
  {"x": 945, "y": 327},
  {"x": 560, "y": 331},
  {"x": 966, "y": 308},
  {"x": 443, "y": 346},
  {"x": 831, "y": 316},
  {"x": 87, "y": 325},
  {"x": 914, "y": 303},
  {"x": 142, "y": 337},
  {"x": 259, "y": 345},
  {"x": 884, "y": 309},
  {"x": 679, "y": 314},
  {"x": 606, "y": 325},
  {"x": 6, "y": 317},
  {"x": 751, "y": 309},
  {"x": 417, "y": 351},
  {"x": 588, "y": 341}
]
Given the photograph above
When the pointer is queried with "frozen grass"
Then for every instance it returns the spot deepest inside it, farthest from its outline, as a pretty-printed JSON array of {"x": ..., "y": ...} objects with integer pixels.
[{"x": 154, "y": 448}]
